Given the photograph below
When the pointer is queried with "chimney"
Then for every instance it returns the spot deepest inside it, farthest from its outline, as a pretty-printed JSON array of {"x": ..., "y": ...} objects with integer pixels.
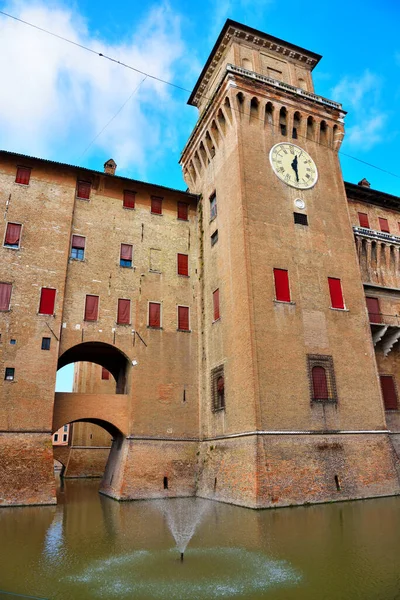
[
  {"x": 364, "y": 183},
  {"x": 110, "y": 167}
]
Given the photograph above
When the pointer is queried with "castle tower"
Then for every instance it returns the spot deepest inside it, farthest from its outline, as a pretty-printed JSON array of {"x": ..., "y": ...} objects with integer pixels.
[{"x": 291, "y": 407}]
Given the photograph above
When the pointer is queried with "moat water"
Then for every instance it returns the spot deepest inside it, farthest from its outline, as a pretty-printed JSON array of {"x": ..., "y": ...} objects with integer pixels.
[{"x": 90, "y": 546}]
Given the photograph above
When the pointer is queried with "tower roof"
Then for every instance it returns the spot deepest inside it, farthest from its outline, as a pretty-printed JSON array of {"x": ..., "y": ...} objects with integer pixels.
[{"x": 263, "y": 40}]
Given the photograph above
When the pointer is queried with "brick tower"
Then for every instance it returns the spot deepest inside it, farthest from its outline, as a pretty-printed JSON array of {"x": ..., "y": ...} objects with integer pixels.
[{"x": 291, "y": 406}]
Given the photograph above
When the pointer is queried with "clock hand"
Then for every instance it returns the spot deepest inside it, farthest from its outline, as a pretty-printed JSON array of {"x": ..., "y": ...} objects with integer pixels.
[{"x": 294, "y": 167}]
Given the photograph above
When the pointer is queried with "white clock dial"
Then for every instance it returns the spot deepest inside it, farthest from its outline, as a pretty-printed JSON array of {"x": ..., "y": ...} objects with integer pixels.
[{"x": 293, "y": 165}]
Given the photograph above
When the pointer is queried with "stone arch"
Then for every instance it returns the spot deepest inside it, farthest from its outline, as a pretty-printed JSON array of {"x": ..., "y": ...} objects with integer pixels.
[
  {"x": 100, "y": 353},
  {"x": 254, "y": 107},
  {"x": 269, "y": 113}
]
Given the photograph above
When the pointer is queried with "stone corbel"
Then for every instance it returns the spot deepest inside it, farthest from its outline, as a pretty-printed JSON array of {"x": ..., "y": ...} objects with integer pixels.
[
  {"x": 378, "y": 335},
  {"x": 390, "y": 340}
]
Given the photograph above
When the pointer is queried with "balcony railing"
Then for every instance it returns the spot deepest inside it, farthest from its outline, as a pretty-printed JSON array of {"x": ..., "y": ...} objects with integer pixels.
[
  {"x": 382, "y": 319},
  {"x": 376, "y": 235}
]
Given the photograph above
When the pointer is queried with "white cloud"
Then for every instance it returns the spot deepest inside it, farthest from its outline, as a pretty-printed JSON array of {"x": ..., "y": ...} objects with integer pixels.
[
  {"x": 56, "y": 97},
  {"x": 361, "y": 97}
]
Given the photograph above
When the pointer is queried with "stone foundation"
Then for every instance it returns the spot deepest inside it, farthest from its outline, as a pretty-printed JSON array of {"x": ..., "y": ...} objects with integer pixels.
[
  {"x": 26, "y": 469},
  {"x": 137, "y": 469}
]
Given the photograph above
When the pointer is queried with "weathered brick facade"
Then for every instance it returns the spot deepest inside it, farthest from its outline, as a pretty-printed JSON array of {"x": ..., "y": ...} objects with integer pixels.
[{"x": 222, "y": 401}]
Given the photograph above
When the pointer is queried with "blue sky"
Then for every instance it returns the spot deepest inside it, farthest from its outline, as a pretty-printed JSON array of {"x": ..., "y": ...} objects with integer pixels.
[{"x": 55, "y": 98}]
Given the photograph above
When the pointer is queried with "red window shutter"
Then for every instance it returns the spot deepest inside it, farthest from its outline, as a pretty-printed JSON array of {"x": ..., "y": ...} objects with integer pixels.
[
  {"x": 78, "y": 242},
  {"x": 5, "y": 295},
  {"x": 282, "y": 291},
  {"x": 104, "y": 373},
  {"x": 13, "y": 234},
  {"x": 126, "y": 252},
  {"x": 83, "y": 190},
  {"x": 183, "y": 211},
  {"x": 384, "y": 225},
  {"x": 363, "y": 219},
  {"x": 388, "y": 392},
  {"x": 129, "y": 199},
  {"x": 320, "y": 383},
  {"x": 183, "y": 318},
  {"x": 154, "y": 314},
  {"x": 156, "y": 205},
  {"x": 183, "y": 264},
  {"x": 23, "y": 175},
  {"x": 47, "y": 301},
  {"x": 374, "y": 310},
  {"x": 216, "y": 304},
  {"x": 124, "y": 311},
  {"x": 91, "y": 308},
  {"x": 335, "y": 290}
]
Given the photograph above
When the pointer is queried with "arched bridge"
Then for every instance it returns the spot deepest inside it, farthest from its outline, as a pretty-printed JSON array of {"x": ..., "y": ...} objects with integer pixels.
[{"x": 110, "y": 411}]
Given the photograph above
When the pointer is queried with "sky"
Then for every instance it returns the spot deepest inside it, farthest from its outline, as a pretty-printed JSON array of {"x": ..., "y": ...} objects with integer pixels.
[{"x": 61, "y": 102}]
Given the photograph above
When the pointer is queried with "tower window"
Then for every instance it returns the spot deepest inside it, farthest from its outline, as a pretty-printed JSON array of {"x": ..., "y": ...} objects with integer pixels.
[
  {"x": 155, "y": 314},
  {"x": 335, "y": 290},
  {"x": 9, "y": 374},
  {"x": 13, "y": 235},
  {"x": 183, "y": 211},
  {"x": 300, "y": 218},
  {"x": 5, "y": 295},
  {"x": 47, "y": 301},
  {"x": 384, "y": 225},
  {"x": 129, "y": 199},
  {"x": 294, "y": 133},
  {"x": 389, "y": 392},
  {"x": 46, "y": 343},
  {"x": 23, "y": 175},
  {"x": 218, "y": 388},
  {"x": 183, "y": 264},
  {"x": 83, "y": 190},
  {"x": 363, "y": 220},
  {"x": 282, "y": 120},
  {"x": 322, "y": 378},
  {"x": 91, "y": 308},
  {"x": 282, "y": 290},
  {"x": 105, "y": 374},
  {"x": 78, "y": 247},
  {"x": 214, "y": 238},
  {"x": 156, "y": 205},
  {"x": 125, "y": 259},
  {"x": 216, "y": 305}
]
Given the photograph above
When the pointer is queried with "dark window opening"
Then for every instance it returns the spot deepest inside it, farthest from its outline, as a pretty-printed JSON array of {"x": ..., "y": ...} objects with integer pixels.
[
  {"x": 213, "y": 206},
  {"x": 218, "y": 388},
  {"x": 9, "y": 374},
  {"x": 283, "y": 120},
  {"x": 65, "y": 437},
  {"x": 165, "y": 482},
  {"x": 13, "y": 342},
  {"x": 215, "y": 484},
  {"x": 300, "y": 218},
  {"x": 283, "y": 128},
  {"x": 56, "y": 437},
  {"x": 214, "y": 238},
  {"x": 337, "y": 483},
  {"x": 46, "y": 343},
  {"x": 294, "y": 133},
  {"x": 184, "y": 395}
]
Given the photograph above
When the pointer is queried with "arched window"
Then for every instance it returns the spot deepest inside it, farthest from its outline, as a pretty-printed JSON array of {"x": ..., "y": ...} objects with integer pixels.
[
  {"x": 296, "y": 125},
  {"x": 323, "y": 133},
  {"x": 254, "y": 109},
  {"x": 282, "y": 120},
  {"x": 269, "y": 112},
  {"x": 228, "y": 110},
  {"x": 310, "y": 128},
  {"x": 240, "y": 101},
  {"x": 320, "y": 383}
]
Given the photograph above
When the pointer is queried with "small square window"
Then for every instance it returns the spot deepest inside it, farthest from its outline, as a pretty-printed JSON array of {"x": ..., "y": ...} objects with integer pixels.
[
  {"x": 214, "y": 238},
  {"x": 13, "y": 342},
  {"x": 83, "y": 190},
  {"x": 46, "y": 343},
  {"x": 9, "y": 374},
  {"x": 300, "y": 218},
  {"x": 156, "y": 205},
  {"x": 66, "y": 428},
  {"x": 23, "y": 175}
]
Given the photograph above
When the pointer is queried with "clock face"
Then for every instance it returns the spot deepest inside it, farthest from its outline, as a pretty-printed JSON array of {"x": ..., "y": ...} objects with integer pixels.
[{"x": 293, "y": 165}]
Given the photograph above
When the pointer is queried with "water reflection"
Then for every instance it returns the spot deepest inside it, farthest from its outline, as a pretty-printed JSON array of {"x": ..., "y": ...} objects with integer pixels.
[{"x": 90, "y": 546}]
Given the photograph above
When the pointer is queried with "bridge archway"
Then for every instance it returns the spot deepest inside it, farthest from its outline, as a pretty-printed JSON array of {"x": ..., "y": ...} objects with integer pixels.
[{"x": 100, "y": 353}]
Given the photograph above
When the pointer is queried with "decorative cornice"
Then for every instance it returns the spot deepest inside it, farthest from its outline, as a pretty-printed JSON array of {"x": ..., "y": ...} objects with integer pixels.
[
  {"x": 371, "y": 196},
  {"x": 380, "y": 236},
  {"x": 258, "y": 39}
]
